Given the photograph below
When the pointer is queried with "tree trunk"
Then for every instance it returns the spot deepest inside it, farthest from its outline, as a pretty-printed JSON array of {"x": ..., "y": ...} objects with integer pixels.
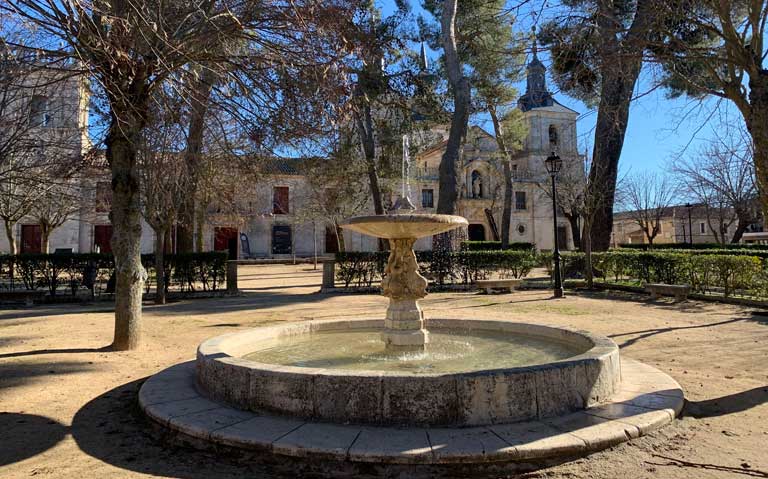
[
  {"x": 365, "y": 126},
  {"x": 340, "y": 238},
  {"x": 757, "y": 125},
  {"x": 741, "y": 227},
  {"x": 449, "y": 185},
  {"x": 506, "y": 213},
  {"x": 589, "y": 275},
  {"x": 199, "y": 226},
  {"x": 126, "y": 235},
  {"x": 160, "y": 265},
  {"x": 573, "y": 220},
  {"x": 45, "y": 239},
  {"x": 199, "y": 101},
  {"x": 618, "y": 83},
  {"x": 11, "y": 238}
]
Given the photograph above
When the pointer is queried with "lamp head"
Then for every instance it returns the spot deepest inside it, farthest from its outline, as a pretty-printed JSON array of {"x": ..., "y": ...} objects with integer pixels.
[{"x": 553, "y": 164}]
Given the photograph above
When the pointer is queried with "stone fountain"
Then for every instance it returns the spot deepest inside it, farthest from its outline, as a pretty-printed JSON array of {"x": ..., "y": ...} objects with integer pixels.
[
  {"x": 474, "y": 395},
  {"x": 402, "y": 283}
]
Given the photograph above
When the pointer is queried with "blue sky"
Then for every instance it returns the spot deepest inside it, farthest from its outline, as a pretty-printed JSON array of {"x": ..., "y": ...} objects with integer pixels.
[{"x": 659, "y": 128}]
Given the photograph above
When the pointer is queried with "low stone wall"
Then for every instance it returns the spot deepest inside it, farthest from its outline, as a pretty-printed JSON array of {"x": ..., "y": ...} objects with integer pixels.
[{"x": 390, "y": 398}]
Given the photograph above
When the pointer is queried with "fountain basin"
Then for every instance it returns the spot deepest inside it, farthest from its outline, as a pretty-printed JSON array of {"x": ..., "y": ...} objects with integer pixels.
[
  {"x": 495, "y": 395},
  {"x": 404, "y": 225}
]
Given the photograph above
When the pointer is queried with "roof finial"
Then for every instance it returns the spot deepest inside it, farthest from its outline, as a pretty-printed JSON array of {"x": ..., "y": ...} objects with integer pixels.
[
  {"x": 423, "y": 57},
  {"x": 535, "y": 43}
]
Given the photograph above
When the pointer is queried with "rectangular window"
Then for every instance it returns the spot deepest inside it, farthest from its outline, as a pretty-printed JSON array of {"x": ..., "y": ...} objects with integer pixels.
[
  {"x": 39, "y": 113},
  {"x": 520, "y": 200},
  {"x": 428, "y": 198},
  {"x": 103, "y": 196},
  {"x": 280, "y": 200},
  {"x": 702, "y": 228}
]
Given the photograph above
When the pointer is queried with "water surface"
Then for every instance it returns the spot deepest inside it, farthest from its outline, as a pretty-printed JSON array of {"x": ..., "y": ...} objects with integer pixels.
[{"x": 448, "y": 351}]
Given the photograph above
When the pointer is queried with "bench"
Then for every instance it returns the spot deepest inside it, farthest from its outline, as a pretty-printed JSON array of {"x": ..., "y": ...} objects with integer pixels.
[
  {"x": 679, "y": 291},
  {"x": 490, "y": 284},
  {"x": 26, "y": 296}
]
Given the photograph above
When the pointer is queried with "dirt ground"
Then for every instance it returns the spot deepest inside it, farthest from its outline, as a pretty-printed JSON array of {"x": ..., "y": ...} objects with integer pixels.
[{"x": 68, "y": 407}]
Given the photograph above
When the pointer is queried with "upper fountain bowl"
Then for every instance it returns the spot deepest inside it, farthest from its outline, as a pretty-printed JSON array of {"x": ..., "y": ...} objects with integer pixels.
[{"x": 407, "y": 225}]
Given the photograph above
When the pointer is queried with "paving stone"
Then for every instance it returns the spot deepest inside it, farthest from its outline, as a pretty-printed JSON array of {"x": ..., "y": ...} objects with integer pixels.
[
  {"x": 259, "y": 432},
  {"x": 390, "y": 445},
  {"x": 317, "y": 440},
  {"x": 643, "y": 419},
  {"x": 596, "y": 432},
  {"x": 163, "y": 412},
  {"x": 159, "y": 389},
  {"x": 476, "y": 444},
  {"x": 535, "y": 439},
  {"x": 654, "y": 401},
  {"x": 201, "y": 424}
]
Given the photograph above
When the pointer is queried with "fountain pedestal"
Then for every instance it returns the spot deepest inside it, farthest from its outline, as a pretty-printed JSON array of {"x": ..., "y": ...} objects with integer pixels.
[
  {"x": 402, "y": 283},
  {"x": 404, "y": 286}
]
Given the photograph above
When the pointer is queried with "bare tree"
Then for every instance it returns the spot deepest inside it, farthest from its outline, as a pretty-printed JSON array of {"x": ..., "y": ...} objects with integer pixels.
[
  {"x": 571, "y": 194},
  {"x": 163, "y": 185},
  {"x": 648, "y": 197},
  {"x": 57, "y": 204},
  {"x": 335, "y": 190},
  {"x": 130, "y": 48},
  {"x": 40, "y": 137},
  {"x": 721, "y": 177}
]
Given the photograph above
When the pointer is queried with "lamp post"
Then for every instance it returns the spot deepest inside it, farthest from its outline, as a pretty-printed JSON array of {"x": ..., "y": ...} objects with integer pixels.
[
  {"x": 690, "y": 224},
  {"x": 553, "y": 163}
]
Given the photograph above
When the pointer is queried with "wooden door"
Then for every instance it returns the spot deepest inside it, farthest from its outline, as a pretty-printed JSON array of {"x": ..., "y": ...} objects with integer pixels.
[
  {"x": 331, "y": 241},
  {"x": 31, "y": 239},
  {"x": 102, "y": 237},
  {"x": 281, "y": 239},
  {"x": 225, "y": 239}
]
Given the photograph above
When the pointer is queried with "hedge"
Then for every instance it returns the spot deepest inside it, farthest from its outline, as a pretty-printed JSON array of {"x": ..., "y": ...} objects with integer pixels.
[
  {"x": 495, "y": 245},
  {"x": 362, "y": 269},
  {"x": 187, "y": 271},
  {"x": 706, "y": 273},
  {"x": 695, "y": 246}
]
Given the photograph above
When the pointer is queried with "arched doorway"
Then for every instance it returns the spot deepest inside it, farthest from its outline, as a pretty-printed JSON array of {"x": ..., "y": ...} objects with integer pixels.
[{"x": 476, "y": 232}]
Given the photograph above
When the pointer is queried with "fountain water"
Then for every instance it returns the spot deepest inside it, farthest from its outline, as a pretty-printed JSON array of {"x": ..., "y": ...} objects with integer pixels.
[{"x": 402, "y": 283}]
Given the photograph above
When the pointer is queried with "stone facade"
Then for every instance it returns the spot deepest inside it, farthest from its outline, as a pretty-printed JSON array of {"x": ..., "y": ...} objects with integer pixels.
[{"x": 261, "y": 229}]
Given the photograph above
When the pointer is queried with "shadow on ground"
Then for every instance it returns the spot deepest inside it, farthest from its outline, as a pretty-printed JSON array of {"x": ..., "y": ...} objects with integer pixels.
[
  {"x": 27, "y": 435},
  {"x": 729, "y": 404},
  {"x": 647, "y": 333},
  {"x": 111, "y": 428},
  {"x": 13, "y": 374}
]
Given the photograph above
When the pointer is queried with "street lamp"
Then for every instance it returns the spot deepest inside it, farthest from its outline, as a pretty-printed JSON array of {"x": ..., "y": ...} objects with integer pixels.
[
  {"x": 690, "y": 224},
  {"x": 553, "y": 163}
]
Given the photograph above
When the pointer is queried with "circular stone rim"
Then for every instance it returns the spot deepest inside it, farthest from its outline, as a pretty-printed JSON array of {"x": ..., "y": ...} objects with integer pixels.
[{"x": 482, "y": 397}]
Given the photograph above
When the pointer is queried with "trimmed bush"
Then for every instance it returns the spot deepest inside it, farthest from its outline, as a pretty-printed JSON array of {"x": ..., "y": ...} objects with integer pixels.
[
  {"x": 494, "y": 246},
  {"x": 188, "y": 271},
  {"x": 458, "y": 267},
  {"x": 695, "y": 246}
]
